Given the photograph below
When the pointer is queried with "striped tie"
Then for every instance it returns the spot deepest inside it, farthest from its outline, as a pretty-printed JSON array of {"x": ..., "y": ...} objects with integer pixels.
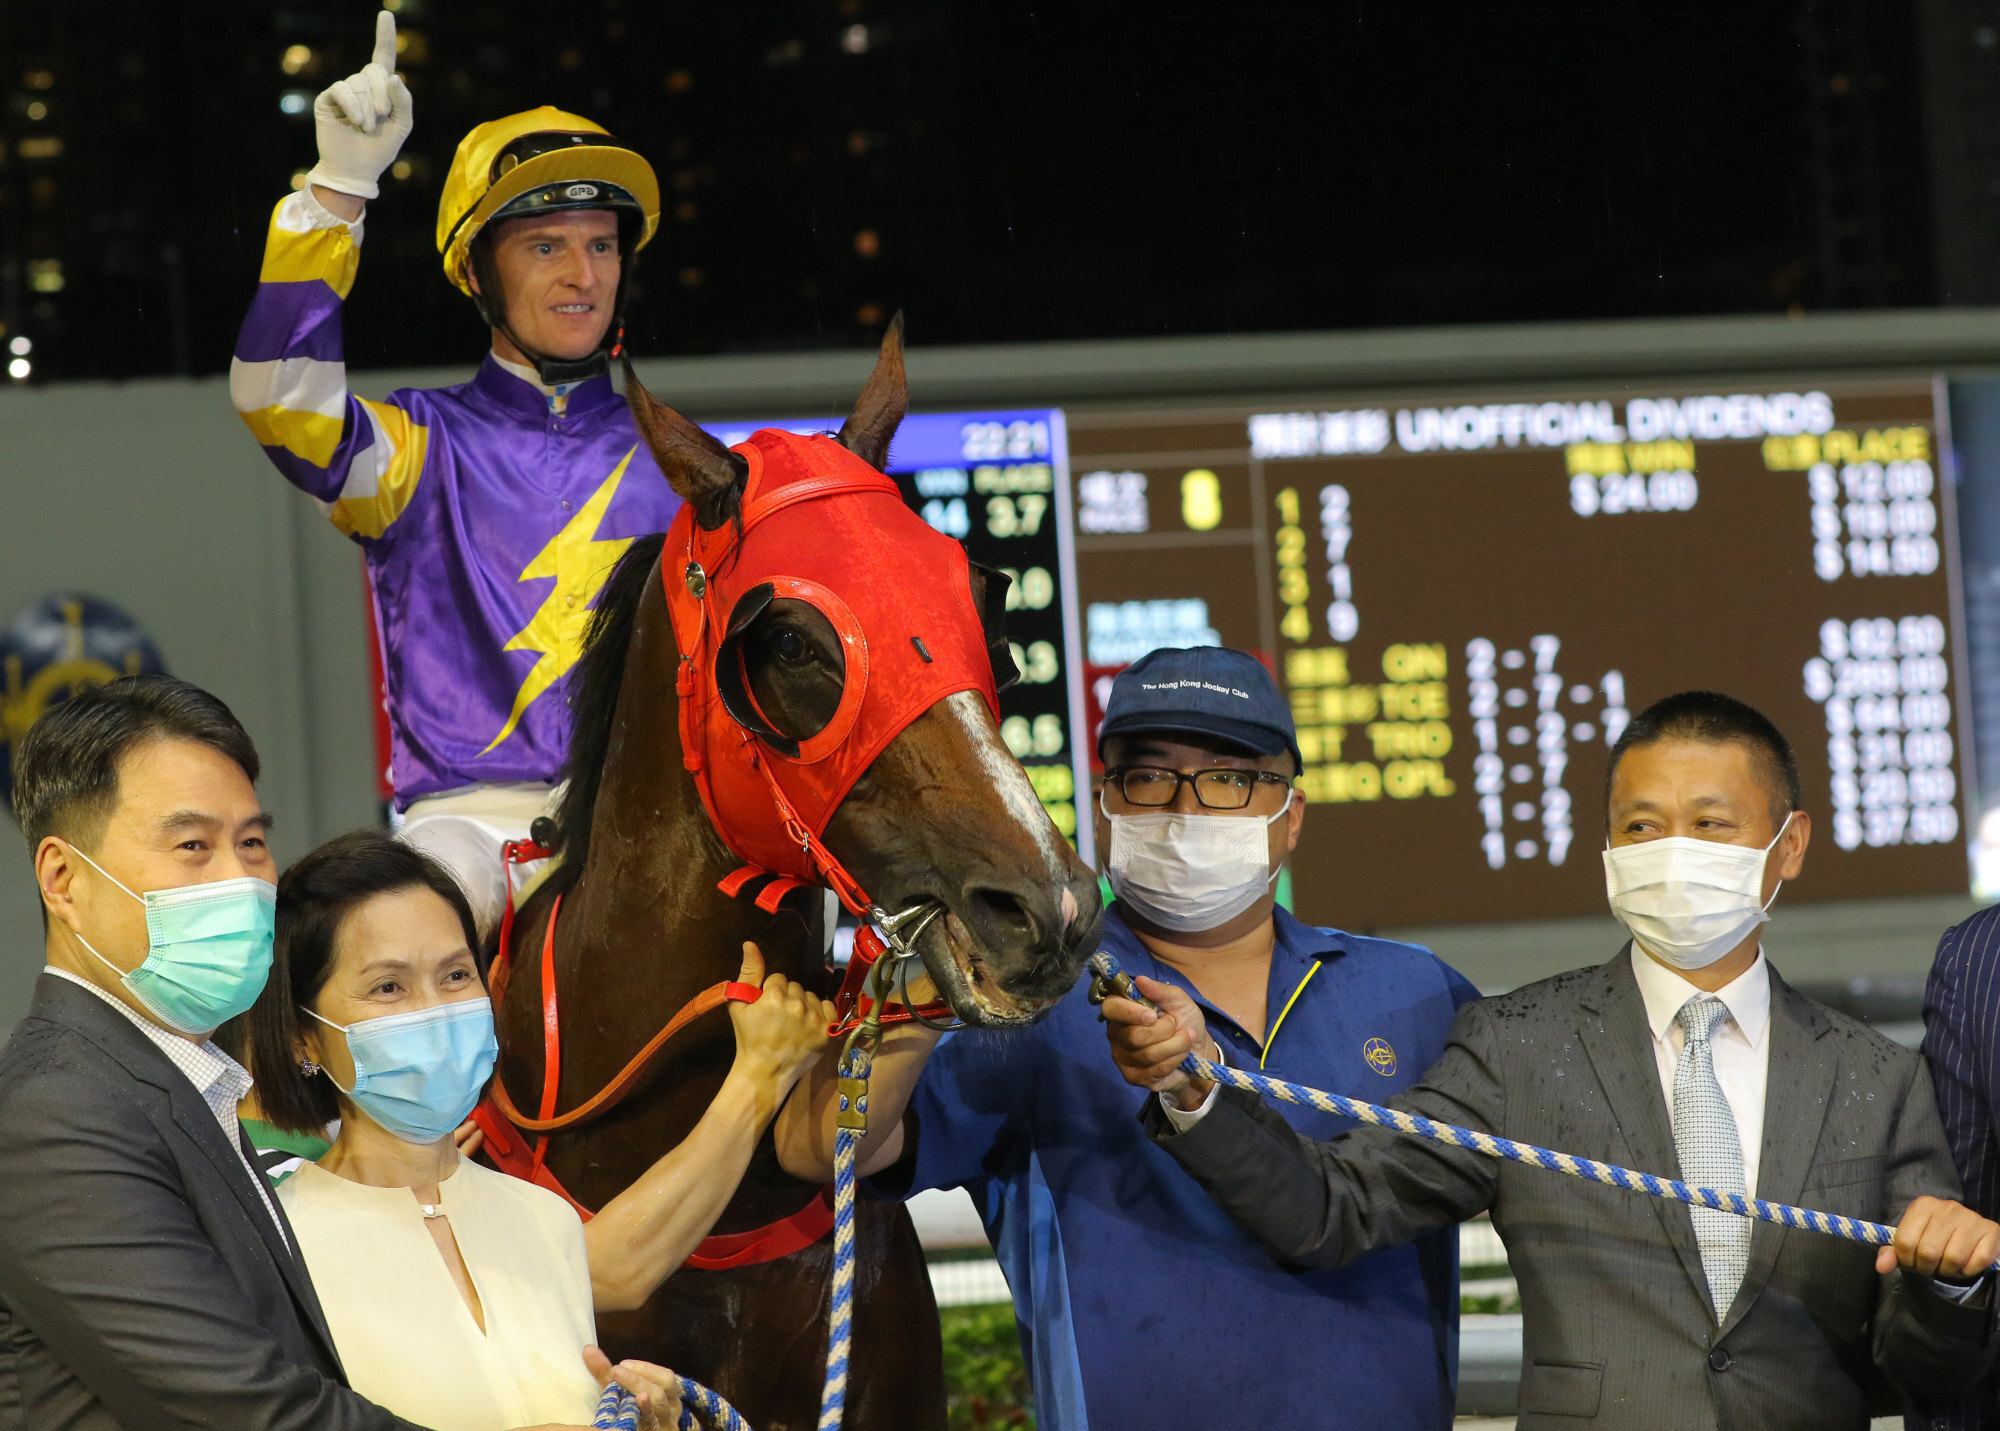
[{"x": 1711, "y": 1153}]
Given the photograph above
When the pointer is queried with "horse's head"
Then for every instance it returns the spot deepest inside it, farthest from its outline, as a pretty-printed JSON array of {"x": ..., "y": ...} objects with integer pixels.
[{"x": 841, "y": 662}]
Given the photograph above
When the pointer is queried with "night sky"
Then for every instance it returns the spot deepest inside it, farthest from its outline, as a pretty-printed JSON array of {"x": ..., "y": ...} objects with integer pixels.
[{"x": 1001, "y": 171}]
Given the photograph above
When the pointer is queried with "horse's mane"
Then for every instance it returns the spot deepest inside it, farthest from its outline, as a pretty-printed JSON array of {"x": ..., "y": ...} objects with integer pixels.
[{"x": 594, "y": 688}]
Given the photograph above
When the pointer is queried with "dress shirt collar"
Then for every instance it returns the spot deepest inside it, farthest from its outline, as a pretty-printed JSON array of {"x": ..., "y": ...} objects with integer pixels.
[
  {"x": 1747, "y": 996},
  {"x": 220, "y": 1079}
]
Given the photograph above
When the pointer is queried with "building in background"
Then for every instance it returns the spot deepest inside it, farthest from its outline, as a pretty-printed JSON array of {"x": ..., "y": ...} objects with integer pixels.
[{"x": 1009, "y": 172}]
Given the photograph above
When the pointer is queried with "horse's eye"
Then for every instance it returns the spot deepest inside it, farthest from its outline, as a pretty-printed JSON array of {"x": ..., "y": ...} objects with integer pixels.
[{"x": 791, "y": 647}]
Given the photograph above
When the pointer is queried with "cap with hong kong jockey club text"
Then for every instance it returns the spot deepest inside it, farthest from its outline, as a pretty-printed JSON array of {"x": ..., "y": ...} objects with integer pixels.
[{"x": 1201, "y": 691}]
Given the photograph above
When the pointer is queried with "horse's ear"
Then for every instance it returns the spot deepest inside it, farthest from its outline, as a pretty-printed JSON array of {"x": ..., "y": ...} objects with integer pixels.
[
  {"x": 882, "y": 403},
  {"x": 707, "y": 475}
]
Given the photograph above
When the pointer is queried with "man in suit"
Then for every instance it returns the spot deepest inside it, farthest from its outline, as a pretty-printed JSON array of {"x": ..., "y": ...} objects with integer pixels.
[
  {"x": 1685, "y": 1055},
  {"x": 1962, "y": 1046},
  {"x": 147, "y": 1278}
]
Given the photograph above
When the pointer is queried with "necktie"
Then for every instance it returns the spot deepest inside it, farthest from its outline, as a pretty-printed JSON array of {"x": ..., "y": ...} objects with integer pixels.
[{"x": 1711, "y": 1154}]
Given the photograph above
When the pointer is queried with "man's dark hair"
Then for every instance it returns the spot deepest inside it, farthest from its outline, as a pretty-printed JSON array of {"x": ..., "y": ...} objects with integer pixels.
[
  {"x": 66, "y": 767},
  {"x": 1715, "y": 719},
  {"x": 314, "y": 897}
]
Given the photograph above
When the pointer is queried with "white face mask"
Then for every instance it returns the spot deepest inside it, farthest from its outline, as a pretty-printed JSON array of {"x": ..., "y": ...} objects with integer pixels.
[
  {"x": 1688, "y": 902},
  {"x": 1189, "y": 873}
]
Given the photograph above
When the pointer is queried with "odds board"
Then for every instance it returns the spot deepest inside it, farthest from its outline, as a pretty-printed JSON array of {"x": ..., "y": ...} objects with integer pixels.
[{"x": 1466, "y": 602}]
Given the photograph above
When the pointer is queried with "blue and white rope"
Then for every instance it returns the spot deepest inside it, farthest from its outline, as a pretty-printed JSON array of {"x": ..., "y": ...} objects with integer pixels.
[
  {"x": 859, "y": 1059},
  {"x": 700, "y": 1407},
  {"x": 1671, "y": 1189}
]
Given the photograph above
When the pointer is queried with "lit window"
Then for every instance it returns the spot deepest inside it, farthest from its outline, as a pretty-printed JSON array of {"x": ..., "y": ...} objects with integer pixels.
[
  {"x": 44, "y": 146},
  {"x": 40, "y": 79}
]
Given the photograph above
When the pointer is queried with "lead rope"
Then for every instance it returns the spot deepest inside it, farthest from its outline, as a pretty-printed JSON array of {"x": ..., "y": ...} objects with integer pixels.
[
  {"x": 1113, "y": 981},
  {"x": 616, "y": 1410},
  {"x": 700, "y": 1407},
  {"x": 857, "y": 1061}
]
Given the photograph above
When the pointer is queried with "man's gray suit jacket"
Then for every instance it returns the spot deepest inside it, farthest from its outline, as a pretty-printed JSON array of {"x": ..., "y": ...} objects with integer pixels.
[
  {"x": 142, "y": 1281},
  {"x": 1617, "y": 1323}
]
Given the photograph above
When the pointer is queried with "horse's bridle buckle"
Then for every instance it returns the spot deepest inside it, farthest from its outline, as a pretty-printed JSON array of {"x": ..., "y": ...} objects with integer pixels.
[{"x": 1105, "y": 984}]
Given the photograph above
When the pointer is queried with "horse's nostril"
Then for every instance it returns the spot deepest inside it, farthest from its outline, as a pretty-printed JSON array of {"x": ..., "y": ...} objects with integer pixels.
[{"x": 1002, "y": 918}]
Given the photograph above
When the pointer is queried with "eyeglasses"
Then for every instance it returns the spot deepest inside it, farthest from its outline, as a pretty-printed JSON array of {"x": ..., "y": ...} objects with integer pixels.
[{"x": 1221, "y": 789}]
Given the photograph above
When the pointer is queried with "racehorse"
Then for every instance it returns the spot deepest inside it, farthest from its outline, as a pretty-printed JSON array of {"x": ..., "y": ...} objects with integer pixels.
[{"x": 942, "y": 814}]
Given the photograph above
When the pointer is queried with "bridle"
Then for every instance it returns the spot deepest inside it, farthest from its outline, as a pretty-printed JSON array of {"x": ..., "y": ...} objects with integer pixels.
[{"x": 908, "y": 636}]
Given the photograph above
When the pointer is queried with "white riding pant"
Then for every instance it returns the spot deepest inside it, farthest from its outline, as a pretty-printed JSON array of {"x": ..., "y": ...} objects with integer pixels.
[{"x": 464, "y": 831}]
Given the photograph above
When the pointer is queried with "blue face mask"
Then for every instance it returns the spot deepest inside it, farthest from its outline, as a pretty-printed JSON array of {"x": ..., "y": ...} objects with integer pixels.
[
  {"x": 419, "y": 1074},
  {"x": 208, "y": 950}
]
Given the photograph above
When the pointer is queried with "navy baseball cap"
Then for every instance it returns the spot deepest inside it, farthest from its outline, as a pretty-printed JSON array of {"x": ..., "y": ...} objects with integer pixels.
[{"x": 1201, "y": 690}]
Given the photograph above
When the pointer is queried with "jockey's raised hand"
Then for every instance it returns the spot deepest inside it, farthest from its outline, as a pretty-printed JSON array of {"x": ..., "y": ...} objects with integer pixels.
[{"x": 362, "y": 121}]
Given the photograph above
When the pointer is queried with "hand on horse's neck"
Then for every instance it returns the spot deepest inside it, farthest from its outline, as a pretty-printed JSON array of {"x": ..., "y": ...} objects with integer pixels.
[
  {"x": 1230, "y": 966},
  {"x": 369, "y": 1154}
]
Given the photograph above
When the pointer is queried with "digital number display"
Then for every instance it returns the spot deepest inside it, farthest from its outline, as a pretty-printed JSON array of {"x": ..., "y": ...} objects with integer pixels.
[
  {"x": 1467, "y": 602},
  {"x": 999, "y": 483}
]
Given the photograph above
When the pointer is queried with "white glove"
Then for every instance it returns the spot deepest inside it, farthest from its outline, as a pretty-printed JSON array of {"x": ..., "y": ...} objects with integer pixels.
[{"x": 362, "y": 121}]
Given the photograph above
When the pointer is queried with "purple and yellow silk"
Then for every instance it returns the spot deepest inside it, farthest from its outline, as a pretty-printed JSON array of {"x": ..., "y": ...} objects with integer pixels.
[{"x": 488, "y": 522}]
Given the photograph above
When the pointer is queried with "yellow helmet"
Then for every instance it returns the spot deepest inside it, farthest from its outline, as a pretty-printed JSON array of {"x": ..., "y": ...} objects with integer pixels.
[{"x": 536, "y": 162}]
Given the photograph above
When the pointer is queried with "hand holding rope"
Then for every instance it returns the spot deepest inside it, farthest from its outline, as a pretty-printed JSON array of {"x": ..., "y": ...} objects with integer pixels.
[
  {"x": 1110, "y": 981},
  {"x": 618, "y": 1410},
  {"x": 701, "y": 1407}
]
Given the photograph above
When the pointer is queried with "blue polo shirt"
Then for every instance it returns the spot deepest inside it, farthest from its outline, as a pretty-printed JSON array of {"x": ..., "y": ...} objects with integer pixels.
[{"x": 1140, "y": 1304}]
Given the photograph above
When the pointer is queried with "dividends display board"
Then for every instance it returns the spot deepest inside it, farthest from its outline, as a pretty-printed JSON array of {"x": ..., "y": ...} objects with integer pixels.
[{"x": 1466, "y": 602}]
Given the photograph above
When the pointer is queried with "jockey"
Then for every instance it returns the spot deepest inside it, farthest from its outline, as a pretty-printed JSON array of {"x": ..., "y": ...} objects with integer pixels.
[{"x": 489, "y": 513}]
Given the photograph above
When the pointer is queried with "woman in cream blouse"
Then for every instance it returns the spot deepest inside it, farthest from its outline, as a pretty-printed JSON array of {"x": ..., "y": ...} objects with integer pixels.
[{"x": 458, "y": 1297}]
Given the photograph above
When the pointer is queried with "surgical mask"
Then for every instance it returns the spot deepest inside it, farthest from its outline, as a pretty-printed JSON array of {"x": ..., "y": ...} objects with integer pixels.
[
  {"x": 419, "y": 1074},
  {"x": 1189, "y": 873},
  {"x": 208, "y": 950},
  {"x": 1688, "y": 902}
]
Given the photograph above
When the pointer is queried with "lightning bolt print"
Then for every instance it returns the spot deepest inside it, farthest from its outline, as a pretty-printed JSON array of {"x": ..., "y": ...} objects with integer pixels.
[{"x": 579, "y": 562}]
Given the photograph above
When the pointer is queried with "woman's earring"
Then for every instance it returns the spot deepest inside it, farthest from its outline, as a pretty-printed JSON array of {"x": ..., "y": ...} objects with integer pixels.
[{"x": 308, "y": 1067}]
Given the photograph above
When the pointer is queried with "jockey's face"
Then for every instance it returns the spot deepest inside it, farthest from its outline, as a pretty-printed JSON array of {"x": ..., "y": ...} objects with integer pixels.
[{"x": 559, "y": 273}]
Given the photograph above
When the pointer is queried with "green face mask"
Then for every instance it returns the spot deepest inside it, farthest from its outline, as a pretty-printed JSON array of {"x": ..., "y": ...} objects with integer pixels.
[{"x": 208, "y": 950}]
